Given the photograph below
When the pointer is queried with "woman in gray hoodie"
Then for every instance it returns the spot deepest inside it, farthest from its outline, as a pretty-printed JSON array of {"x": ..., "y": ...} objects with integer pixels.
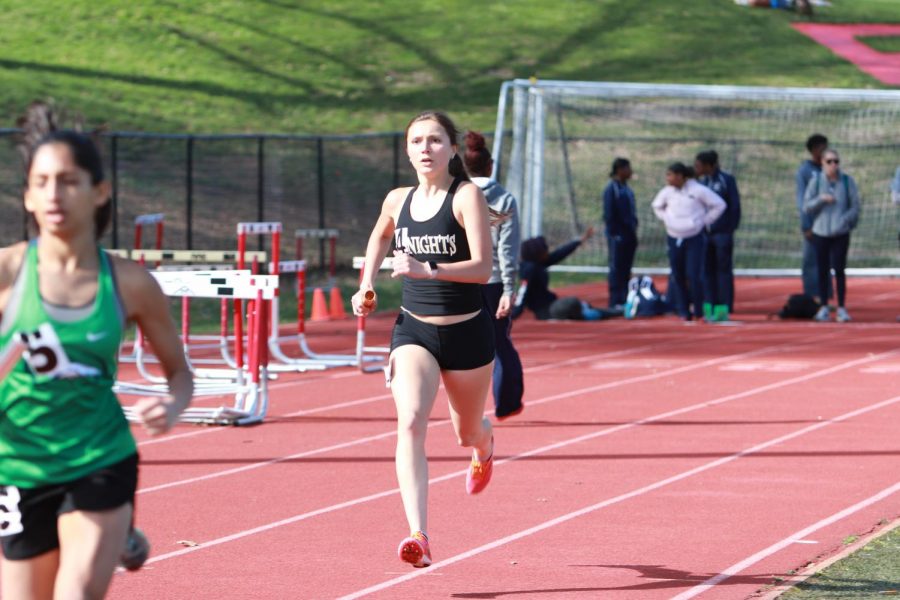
[
  {"x": 832, "y": 200},
  {"x": 499, "y": 292}
]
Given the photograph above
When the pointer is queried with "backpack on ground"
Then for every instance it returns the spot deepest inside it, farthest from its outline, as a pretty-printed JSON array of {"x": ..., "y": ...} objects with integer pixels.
[
  {"x": 644, "y": 300},
  {"x": 799, "y": 306}
]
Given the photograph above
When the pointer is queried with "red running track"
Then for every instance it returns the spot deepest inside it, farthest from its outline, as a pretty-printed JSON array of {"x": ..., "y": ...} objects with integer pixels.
[{"x": 655, "y": 459}]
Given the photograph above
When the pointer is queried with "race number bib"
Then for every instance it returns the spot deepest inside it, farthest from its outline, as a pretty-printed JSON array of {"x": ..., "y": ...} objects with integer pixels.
[
  {"x": 45, "y": 355},
  {"x": 10, "y": 517},
  {"x": 47, "y": 359}
]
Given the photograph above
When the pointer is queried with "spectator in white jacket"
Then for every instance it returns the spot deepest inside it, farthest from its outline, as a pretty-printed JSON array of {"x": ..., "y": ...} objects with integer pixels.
[{"x": 687, "y": 208}]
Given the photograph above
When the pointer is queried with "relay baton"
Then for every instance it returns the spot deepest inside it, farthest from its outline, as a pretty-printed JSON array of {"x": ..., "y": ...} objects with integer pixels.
[{"x": 369, "y": 299}]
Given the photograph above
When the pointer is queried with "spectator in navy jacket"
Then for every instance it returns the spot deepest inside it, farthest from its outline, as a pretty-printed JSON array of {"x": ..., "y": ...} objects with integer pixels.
[
  {"x": 816, "y": 145},
  {"x": 719, "y": 274},
  {"x": 620, "y": 216},
  {"x": 535, "y": 293}
]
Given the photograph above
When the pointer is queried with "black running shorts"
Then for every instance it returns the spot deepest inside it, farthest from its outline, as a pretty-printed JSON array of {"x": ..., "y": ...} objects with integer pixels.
[
  {"x": 461, "y": 346},
  {"x": 28, "y": 515}
]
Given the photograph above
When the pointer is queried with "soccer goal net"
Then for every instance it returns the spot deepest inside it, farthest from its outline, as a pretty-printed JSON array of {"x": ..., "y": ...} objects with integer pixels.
[{"x": 565, "y": 135}]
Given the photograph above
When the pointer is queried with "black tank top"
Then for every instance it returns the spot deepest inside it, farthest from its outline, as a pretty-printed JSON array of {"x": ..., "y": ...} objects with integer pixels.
[{"x": 443, "y": 240}]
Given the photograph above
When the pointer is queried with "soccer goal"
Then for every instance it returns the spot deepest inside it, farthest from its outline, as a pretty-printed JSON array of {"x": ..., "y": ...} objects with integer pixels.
[{"x": 555, "y": 141}]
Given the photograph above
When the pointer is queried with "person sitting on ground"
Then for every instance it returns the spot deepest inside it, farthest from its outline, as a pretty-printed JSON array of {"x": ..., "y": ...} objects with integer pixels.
[
  {"x": 536, "y": 296},
  {"x": 804, "y": 7}
]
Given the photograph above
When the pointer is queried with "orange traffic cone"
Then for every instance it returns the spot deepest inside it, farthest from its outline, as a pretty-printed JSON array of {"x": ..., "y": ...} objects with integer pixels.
[
  {"x": 319, "y": 308},
  {"x": 337, "y": 304}
]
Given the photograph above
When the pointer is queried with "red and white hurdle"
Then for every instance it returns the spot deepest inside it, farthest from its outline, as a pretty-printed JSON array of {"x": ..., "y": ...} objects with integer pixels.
[
  {"x": 187, "y": 260},
  {"x": 360, "y": 358},
  {"x": 377, "y": 353},
  {"x": 319, "y": 234},
  {"x": 247, "y": 381},
  {"x": 155, "y": 219}
]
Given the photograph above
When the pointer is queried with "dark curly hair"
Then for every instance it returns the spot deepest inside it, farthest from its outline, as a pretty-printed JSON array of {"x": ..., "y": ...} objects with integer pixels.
[{"x": 40, "y": 126}]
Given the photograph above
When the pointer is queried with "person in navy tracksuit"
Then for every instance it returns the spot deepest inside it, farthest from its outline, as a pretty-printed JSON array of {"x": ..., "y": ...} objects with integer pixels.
[
  {"x": 620, "y": 216},
  {"x": 719, "y": 271}
]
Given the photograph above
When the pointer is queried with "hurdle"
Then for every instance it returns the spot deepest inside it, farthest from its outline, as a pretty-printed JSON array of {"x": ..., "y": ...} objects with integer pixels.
[
  {"x": 187, "y": 260},
  {"x": 359, "y": 262},
  {"x": 197, "y": 284},
  {"x": 157, "y": 219},
  {"x": 250, "y": 391},
  {"x": 277, "y": 267},
  {"x": 360, "y": 356},
  {"x": 321, "y": 234}
]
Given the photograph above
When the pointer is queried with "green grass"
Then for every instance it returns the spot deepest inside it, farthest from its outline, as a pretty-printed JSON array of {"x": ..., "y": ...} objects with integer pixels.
[
  {"x": 882, "y": 43},
  {"x": 871, "y": 572},
  {"x": 342, "y": 66}
]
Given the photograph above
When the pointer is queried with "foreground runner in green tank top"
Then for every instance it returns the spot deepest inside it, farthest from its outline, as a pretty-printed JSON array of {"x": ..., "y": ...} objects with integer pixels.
[
  {"x": 68, "y": 463},
  {"x": 61, "y": 418}
]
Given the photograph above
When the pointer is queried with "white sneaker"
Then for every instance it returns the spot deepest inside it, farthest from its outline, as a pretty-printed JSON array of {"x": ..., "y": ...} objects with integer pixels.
[
  {"x": 823, "y": 315},
  {"x": 842, "y": 315}
]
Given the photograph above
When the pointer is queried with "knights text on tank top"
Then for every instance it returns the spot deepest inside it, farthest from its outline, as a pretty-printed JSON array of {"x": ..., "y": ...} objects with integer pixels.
[
  {"x": 443, "y": 240},
  {"x": 60, "y": 418}
]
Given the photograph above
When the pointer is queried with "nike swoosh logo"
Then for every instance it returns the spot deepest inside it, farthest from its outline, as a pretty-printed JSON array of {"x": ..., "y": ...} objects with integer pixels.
[{"x": 95, "y": 337}]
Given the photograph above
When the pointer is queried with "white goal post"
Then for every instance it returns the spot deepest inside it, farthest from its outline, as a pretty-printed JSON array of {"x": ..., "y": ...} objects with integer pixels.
[{"x": 555, "y": 141}]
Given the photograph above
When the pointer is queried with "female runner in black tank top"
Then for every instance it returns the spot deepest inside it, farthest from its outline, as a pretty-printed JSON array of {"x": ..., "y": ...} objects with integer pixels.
[{"x": 443, "y": 252}]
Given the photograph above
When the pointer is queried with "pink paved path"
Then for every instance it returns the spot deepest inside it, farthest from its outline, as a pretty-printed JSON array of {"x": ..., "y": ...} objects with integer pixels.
[{"x": 842, "y": 40}]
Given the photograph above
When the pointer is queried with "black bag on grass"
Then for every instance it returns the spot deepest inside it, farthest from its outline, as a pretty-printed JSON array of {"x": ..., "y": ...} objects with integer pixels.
[{"x": 799, "y": 306}]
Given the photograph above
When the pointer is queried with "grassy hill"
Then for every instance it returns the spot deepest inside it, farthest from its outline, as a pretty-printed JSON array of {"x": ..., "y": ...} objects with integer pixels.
[{"x": 344, "y": 66}]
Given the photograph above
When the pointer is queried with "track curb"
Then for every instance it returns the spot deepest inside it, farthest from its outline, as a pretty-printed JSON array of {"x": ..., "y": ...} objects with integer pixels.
[{"x": 815, "y": 566}]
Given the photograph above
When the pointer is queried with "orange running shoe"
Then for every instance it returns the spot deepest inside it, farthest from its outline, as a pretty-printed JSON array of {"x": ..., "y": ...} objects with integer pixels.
[
  {"x": 479, "y": 474},
  {"x": 415, "y": 550}
]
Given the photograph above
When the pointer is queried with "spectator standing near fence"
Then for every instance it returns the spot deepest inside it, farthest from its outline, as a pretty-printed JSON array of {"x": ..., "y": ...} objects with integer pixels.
[
  {"x": 443, "y": 253},
  {"x": 687, "y": 208},
  {"x": 815, "y": 145},
  {"x": 500, "y": 290},
  {"x": 68, "y": 461},
  {"x": 832, "y": 202},
  {"x": 620, "y": 219},
  {"x": 719, "y": 269}
]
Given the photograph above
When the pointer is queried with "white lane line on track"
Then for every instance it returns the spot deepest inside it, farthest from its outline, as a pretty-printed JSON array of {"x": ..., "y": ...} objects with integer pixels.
[
  {"x": 597, "y": 434},
  {"x": 350, "y": 403},
  {"x": 367, "y": 439},
  {"x": 791, "y": 539},
  {"x": 649, "y": 488}
]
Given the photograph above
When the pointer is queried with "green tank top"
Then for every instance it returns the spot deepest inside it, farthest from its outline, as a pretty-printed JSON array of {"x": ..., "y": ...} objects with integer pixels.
[{"x": 59, "y": 418}]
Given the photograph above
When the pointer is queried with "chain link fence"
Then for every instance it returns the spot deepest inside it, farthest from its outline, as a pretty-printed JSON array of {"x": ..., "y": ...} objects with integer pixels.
[{"x": 205, "y": 185}]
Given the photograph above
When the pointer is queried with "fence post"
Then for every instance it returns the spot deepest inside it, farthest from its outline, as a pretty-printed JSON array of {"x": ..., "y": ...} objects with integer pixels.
[
  {"x": 396, "y": 139},
  {"x": 189, "y": 183},
  {"x": 114, "y": 176},
  {"x": 260, "y": 184},
  {"x": 320, "y": 152}
]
